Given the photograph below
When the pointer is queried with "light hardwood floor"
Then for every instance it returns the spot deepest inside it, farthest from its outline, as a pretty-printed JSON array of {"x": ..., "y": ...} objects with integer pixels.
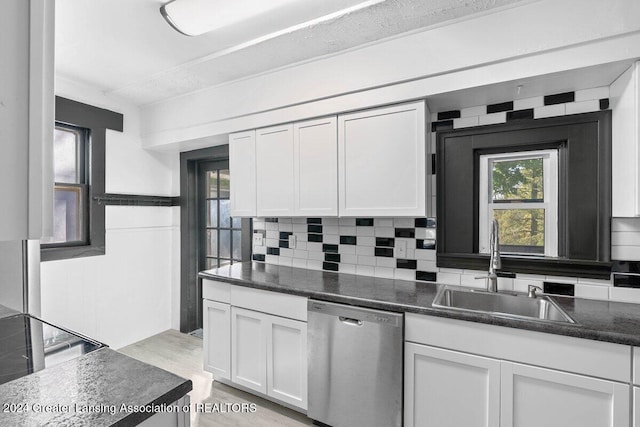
[{"x": 182, "y": 354}]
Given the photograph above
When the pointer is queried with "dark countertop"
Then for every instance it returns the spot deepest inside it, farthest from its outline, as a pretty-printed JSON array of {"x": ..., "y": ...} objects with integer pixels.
[
  {"x": 102, "y": 379},
  {"x": 596, "y": 320}
]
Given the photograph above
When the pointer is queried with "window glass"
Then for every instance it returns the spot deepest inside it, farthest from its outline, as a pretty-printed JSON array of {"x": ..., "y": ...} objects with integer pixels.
[
  {"x": 212, "y": 184},
  {"x": 237, "y": 244},
  {"x": 520, "y": 191},
  {"x": 67, "y": 215},
  {"x": 224, "y": 183},
  {"x": 517, "y": 180},
  {"x": 223, "y": 233},
  {"x": 65, "y": 156},
  {"x": 70, "y": 205},
  {"x": 212, "y": 213},
  {"x": 212, "y": 243},
  {"x": 225, "y": 214},
  {"x": 225, "y": 244},
  {"x": 521, "y": 230}
]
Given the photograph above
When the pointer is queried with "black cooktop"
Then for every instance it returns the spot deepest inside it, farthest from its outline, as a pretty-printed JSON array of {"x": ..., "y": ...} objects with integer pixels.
[{"x": 28, "y": 345}]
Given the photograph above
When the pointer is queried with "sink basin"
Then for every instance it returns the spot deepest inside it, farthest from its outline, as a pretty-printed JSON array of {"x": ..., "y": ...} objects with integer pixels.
[{"x": 501, "y": 304}]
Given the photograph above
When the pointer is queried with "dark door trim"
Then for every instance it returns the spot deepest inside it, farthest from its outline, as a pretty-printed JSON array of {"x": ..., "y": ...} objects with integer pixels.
[{"x": 190, "y": 285}]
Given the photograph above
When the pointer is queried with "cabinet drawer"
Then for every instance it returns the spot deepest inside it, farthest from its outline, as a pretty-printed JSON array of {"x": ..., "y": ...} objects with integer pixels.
[
  {"x": 216, "y": 291},
  {"x": 279, "y": 304},
  {"x": 535, "y": 348}
]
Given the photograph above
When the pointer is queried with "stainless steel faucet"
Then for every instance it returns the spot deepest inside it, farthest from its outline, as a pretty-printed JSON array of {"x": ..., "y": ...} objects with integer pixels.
[{"x": 495, "y": 263}]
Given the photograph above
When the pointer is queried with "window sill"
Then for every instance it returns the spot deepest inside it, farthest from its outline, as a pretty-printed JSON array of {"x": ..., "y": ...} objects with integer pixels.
[
  {"x": 70, "y": 252},
  {"x": 529, "y": 265}
]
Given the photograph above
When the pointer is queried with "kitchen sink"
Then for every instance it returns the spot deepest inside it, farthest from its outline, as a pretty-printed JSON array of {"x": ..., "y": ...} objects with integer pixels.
[{"x": 510, "y": 305}]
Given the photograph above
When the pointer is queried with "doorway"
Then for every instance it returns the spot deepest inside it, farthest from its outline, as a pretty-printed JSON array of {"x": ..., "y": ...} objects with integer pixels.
[{"x": 209, "y": 236}]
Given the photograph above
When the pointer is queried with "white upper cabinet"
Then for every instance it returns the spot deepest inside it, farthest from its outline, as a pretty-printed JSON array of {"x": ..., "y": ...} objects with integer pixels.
[
  {"x": 26, "y": 119},
  {"x": 274, "y": 161},
  {"x": 242, "y": 173},
  {"x": 316, "y": 167},
  {"x": 382, "y": 161},
  {"x": 625, "y": 102}
]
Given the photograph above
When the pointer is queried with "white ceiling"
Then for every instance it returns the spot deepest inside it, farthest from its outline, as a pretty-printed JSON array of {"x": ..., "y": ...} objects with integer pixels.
[{"x": 124, "y": 47}]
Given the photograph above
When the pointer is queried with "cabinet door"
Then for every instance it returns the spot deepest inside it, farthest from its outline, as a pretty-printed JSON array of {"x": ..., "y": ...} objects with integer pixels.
[
  {"x": 26, "y": 119},
  {"x": 248, "y": 345},
  {"x": 446, "y": 388},
  {"x": 274, "y": 157},
  {"x": 316, "y": 167},
  {"x": 625, "y": 145},
  {"x": 287, "y": 361},
  {"x": 382, "y": 161},
  {"x": 217, "y": 338},
  {"x": 242, "y": 171},
  {"x": 533, "y": 397}
]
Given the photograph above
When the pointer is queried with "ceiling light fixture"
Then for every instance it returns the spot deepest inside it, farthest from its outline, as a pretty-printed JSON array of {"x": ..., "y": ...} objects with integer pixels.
[{"x": 195, "y": 17}]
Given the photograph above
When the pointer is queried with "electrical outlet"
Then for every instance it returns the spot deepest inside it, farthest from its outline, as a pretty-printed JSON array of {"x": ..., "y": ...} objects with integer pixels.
[
  {"x": 401, "y": 249},
  {"x": 292, "y": 241},
  {"x": 257, "y": 239}
]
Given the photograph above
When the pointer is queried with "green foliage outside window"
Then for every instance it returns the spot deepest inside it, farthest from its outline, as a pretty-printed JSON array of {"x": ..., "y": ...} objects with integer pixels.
[{"x": 519, "y": 181}]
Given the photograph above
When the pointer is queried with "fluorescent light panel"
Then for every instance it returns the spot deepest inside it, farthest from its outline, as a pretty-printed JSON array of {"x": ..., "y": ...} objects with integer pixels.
[{"x": 195, "y": 17}]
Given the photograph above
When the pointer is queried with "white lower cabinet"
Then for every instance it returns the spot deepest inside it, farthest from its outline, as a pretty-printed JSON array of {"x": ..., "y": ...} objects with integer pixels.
[
  {"x": 287, "y": 361},
  {"x": 269, "y": 355},
  {"x": 501, "y": 387},
  {"x": 446, "y": 388},
  {"x": 216, "y": 320},
  {"x": 247, "y": 346},
  {"x": 533, "y": 397}
]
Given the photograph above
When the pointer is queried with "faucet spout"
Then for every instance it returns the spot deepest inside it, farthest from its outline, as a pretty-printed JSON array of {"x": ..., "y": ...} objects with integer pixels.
[{"x": 495, "y": 262}]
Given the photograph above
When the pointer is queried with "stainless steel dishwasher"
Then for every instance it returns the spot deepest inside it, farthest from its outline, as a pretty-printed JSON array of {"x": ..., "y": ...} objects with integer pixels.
[{"x": 355, "y": 365}]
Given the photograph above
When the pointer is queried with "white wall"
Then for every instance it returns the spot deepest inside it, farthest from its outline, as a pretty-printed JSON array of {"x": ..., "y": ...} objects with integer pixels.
[
  {"x": 536, "y": 38},
  {"x": 132, "y": 291}
]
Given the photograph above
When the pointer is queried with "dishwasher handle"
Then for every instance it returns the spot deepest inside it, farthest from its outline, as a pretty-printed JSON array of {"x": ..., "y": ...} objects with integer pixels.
[{"x": 350, "y": 321}]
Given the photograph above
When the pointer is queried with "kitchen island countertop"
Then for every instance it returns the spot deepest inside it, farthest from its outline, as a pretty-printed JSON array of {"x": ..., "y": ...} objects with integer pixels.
[
  {"x": 596, "y": 319},
  {"x": 90, "y": 390}
]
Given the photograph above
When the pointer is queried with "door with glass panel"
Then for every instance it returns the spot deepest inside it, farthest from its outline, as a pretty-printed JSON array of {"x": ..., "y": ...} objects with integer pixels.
[{"x": 221, "y": 242}]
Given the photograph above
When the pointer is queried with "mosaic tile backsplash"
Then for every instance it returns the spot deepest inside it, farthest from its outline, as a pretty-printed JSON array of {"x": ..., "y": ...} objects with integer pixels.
[{"x": 400, "y": 248}]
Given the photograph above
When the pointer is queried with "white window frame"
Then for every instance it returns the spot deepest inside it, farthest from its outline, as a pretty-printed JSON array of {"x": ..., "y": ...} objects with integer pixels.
[{"x": 550, "y": 203}]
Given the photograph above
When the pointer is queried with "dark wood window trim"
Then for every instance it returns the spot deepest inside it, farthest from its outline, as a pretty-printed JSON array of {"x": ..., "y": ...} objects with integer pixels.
[
  {"x": 584, "y": 144},
  {"x": 190, "y": 221},
  {"x": 97, "y": 121}
]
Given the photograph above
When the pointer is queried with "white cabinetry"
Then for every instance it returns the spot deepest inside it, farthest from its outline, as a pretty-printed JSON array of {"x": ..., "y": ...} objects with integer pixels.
[
  {"x": 533, "y": 397},
  {"x": 625, "y": 102},
  {"x": 242, "y": 173},
  {"x": 316, "y": 167},
  {"x": 382, "y": 161},
  {"x": 256, "y": 340},
  {"x": 217, "y": 324},
  {"x": 248, "y": 344},
  {"x": 450, "y": 389},
  {"x": 562, "y": 391},
  {"x": 287, "y": 360},
  {"x": 274, "y": 165},
  {"x": 26, "y": 119}
]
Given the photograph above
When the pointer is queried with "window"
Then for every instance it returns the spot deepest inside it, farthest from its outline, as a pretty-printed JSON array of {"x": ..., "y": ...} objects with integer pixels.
[
  {"x": 546, "y": 181},
  {"x": 79, "y": 168},
  {"x": 223, "y": 233},
  {"x": 71, "y": 189},
  {"x": 520, "y": 191}
]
